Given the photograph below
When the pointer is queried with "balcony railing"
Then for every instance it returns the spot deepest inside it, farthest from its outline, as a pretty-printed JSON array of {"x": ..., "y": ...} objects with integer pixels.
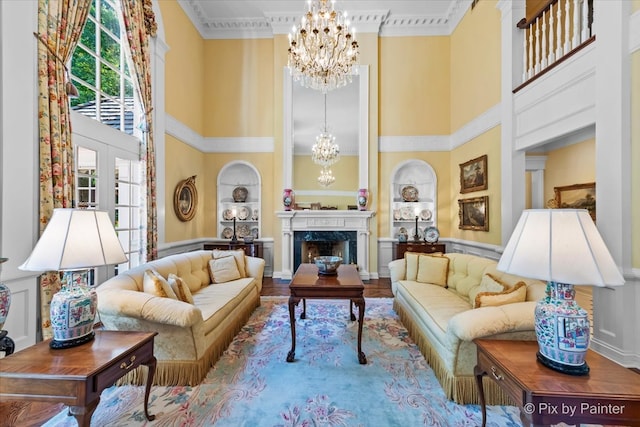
[{"x": 560, "y": 29}]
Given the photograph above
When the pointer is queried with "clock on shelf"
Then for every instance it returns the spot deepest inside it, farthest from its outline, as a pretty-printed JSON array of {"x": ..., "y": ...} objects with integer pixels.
[{"x": 431, "y": 235}]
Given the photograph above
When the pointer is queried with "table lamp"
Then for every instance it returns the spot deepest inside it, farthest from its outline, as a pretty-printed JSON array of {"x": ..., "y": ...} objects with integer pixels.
[
  {"x": 74, "y": 241},
  {"x": 563, "y": 247}
]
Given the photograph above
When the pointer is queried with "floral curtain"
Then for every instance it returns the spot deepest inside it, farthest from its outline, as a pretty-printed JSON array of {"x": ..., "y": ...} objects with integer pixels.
[
  {"x": 139, "y": 22},
  {"x": 60, "y": 24}
]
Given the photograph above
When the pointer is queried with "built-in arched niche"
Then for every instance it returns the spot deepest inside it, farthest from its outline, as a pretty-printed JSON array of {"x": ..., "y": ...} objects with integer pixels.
[
  {"x": 304, "y": 115},
  {"x": 413, "y": 193},
  {"x": 239, "y": 196}
]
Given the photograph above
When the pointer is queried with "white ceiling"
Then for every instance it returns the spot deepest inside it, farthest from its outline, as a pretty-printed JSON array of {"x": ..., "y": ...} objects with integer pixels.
[{"x": 264, "y": 18}]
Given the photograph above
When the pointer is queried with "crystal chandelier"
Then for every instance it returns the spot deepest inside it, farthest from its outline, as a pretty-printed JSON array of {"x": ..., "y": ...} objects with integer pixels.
[
  {"x": 325, "y": 151},
  {"x": 326, "y": 177},
  {"x": 323, "y": 50}
]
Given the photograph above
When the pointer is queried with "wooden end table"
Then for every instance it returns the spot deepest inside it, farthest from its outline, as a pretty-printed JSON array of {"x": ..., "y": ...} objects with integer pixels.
[
  {"x": 609, "y": 394},
  {"x": 77, "y": 376},
  {"x": 307, "y": 284}
]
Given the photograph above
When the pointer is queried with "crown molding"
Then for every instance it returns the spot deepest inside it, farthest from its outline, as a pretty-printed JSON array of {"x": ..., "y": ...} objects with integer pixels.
[{"x": 372, "y": 21}]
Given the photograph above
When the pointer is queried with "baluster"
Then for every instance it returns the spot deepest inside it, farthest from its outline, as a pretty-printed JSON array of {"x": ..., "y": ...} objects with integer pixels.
[
  {"x": 536, "y": 69},
  {"x": 585, "y": 21},
  {"x": 530, "y": 70},
  {"x": 544, "y": 42},
  {"x": 559, "y": 32},
  {"x": 552, "y": 57},
  {"x": 567, "y": 26},
  {"x": 575, "y": 40},
  {"x": 525, "y": 70}
]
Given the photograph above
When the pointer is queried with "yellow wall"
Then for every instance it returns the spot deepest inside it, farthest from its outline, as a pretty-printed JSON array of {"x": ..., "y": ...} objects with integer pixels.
[
  {"x": 238, "y": 88},
  {"x": 414, "y": 86},
  {"x": 475, "y": 64},
  {"x": 635, "y": 6},
  {"x": 184, "y": 161},
  {"x": 635, "y": 156},
  {"x": 184, "y": 67},
  {"x": 573, "y": 164},
  {"x": 489, "y": 144}
]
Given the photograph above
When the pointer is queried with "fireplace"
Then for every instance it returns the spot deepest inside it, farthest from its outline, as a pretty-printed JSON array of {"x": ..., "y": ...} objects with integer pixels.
[
  {"x": 331, "y": 231},
  {"x": 309, "y": 244}
]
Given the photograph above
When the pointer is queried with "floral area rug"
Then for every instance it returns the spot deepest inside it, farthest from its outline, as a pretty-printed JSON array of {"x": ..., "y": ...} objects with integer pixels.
[{"x": 253, "y": 385}]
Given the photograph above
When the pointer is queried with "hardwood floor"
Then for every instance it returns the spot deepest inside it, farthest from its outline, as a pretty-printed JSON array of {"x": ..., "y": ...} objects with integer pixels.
[{"x": 33, "y": 414}]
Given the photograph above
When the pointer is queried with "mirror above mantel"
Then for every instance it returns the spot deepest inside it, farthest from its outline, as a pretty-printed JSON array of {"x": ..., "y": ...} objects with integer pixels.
[{"x": 347, "y": 120}]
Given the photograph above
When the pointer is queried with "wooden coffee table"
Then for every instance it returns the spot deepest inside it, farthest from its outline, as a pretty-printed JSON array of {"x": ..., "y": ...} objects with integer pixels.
[
  {"x": 76, "y": 376},
  {"x": 609, "y": 394},
  {"x": 307, "y": 284}
]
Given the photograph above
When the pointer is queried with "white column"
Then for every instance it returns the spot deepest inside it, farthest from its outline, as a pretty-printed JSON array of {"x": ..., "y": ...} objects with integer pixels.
[
  {"x": 513, "y": 162},
  {"x": 615, "y": 316}
]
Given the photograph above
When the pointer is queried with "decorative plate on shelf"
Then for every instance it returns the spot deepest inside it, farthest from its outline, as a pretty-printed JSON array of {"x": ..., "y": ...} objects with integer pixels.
[
  {"x": 407, "y": 212},
  {"x": 227, "y": 233},
  {"x": 409, "y": 193},
  {"x": 255, "y": 215},
  {"x": 397, "y": 214},
  {"x": 240, "y": 194},
  {"x": 425, "y": 215},
  {"x": 254, "y": 232},
  {"x": 243, "y": 213},
  {"x": 227, "y": 215},
  {"x": 413, "y": 233},
  {"x": 243, "y": 230},
  {"x": 431, "y": 234}
]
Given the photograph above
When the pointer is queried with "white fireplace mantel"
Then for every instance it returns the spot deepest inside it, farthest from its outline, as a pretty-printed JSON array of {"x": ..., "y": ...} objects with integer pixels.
[{"x": 325, "y": 220}]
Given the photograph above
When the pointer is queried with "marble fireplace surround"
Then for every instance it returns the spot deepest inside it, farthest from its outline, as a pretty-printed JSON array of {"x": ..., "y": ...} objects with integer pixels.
[{"x": 325, "y": 220}]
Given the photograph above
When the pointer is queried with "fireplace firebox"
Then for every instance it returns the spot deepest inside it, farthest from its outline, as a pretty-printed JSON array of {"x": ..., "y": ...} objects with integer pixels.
[{"x": 310, "y": 244}]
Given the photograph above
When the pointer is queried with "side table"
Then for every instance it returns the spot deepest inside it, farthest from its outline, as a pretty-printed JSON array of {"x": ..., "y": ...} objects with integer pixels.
[
  {"x": 77, "y": 376},
  {"x": 609, "y": 394}
]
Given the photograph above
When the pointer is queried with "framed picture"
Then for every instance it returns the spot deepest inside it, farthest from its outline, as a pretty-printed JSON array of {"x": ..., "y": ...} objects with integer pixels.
[
  {"x": 185, "y": 199},
  {"x": 474, "y": 213},
  {"x": 577, "y": 196},
  {"x": 473, "y": 175}
]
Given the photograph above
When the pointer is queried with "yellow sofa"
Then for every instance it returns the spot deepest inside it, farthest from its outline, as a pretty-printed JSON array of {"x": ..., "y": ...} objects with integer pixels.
[
  {"x": 191, "y": 337},
  {"x": 443, "y": 322}
]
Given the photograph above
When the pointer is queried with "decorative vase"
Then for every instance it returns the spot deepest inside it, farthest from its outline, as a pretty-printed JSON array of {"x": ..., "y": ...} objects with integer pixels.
[
  {"x": 73, "y": 311},
  {"x": 288, "y": 199},
  {"x": 5, "y": 299},
  {"x": 363, "y": 199},
  {"x": 562, "y": 329}
]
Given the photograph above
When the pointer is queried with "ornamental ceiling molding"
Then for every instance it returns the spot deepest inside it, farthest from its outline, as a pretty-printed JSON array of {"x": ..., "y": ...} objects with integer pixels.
[{"x": 381, "y": 22}]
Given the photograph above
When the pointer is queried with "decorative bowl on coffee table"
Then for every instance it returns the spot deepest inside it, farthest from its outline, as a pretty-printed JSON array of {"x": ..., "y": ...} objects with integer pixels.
[{"x": 328, "y": 265}]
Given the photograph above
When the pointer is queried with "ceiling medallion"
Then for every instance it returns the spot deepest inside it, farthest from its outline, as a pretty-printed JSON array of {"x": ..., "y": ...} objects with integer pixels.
[{"x": 323, "y": 50}]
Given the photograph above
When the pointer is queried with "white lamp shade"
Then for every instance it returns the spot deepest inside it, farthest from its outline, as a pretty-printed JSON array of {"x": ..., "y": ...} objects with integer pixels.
[
  {"x": 559, "y": 245},
  {"x": 76, "y": 239}
]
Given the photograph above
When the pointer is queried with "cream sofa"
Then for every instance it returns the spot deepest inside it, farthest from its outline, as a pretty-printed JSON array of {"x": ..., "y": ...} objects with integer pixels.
[
  {"x": 191, "y": 337},
  {"x": 443, "y": 322}
]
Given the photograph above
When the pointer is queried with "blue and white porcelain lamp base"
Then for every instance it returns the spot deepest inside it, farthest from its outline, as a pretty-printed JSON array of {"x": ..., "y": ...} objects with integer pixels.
[
  {"x": 562, "y": 329},
  {"x": 73, "y": 311}
]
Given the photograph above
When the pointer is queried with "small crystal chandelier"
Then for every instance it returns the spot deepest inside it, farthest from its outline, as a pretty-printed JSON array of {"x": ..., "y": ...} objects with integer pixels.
[
  {"x": 323, "y": 50},
  {"x": 326, "y": 177},
  {"x": 325, "y": 151}
]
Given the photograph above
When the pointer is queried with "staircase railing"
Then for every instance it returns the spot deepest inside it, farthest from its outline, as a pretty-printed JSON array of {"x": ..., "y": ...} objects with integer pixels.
[{"x": 561, "y": 28}]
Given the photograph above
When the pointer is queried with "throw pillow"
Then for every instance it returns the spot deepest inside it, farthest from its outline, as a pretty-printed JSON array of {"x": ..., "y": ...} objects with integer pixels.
[
  {"x": 238, "y": 256},
  {"x": 153, "y": 283},
  {"x": 433, "y": 269},
  {"x": 180, "y": 288},
  {"x": 487, "y": 284},
  {"x": 490, "y": 299},
  {"x": 411, "y": 261},
  {"x": 223, "y": 269}
]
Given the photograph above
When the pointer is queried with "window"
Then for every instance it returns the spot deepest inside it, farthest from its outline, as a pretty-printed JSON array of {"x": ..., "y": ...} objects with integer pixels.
[
  {"x": 100, "y": 70},
  {"x": 109, "y": 171}
]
